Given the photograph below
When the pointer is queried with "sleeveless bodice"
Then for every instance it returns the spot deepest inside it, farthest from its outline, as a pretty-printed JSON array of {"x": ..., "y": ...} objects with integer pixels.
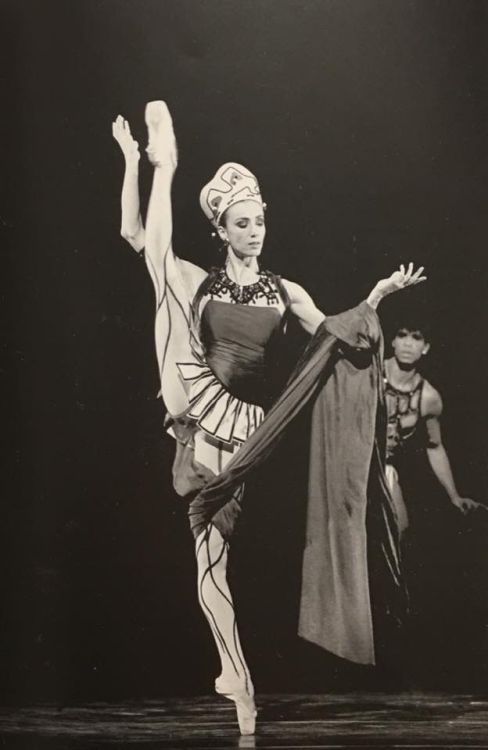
[
  {"x": 234, "y": 375},
  {"x": 403, "y": 408},
  {"x": 238, "y": 341}
]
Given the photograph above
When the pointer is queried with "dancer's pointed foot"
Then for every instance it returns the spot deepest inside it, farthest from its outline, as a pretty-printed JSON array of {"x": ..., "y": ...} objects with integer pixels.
[
  {"x": 161, "y": 147},
  {"x": 243, "y": 698}
]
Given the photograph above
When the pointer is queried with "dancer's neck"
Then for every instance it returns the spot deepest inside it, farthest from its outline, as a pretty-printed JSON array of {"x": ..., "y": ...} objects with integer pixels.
[
  {"x": 401, "y": 376},
  {"x": 241, "y": 270}
]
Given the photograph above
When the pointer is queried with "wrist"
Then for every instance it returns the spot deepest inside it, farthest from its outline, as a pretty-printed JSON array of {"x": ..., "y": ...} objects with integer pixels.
[
  {"x": 454, "y": 497},
  {"x": 375, "y": 297}
]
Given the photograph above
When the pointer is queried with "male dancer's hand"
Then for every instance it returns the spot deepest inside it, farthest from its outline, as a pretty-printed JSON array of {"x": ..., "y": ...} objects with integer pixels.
[{"x": 465, "y": 504}]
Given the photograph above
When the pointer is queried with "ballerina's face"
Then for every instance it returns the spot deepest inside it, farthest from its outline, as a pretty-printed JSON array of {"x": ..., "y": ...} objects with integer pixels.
[{"x": 243, "y": 227}]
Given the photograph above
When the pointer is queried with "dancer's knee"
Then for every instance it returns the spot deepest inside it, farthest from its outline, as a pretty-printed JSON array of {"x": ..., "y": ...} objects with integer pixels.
[{"x": 210, "y": 547}]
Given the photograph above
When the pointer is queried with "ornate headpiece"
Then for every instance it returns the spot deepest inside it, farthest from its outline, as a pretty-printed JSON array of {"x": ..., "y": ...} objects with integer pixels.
[{"x": 232, "y": 183}]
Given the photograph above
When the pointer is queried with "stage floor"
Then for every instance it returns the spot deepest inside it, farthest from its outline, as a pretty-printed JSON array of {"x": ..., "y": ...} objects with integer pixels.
[{"x": 284, "y": 721}]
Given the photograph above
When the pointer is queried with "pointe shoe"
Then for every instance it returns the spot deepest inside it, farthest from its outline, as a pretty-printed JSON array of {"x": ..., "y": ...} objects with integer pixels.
[
  {"x": 161, "y": 148},
  {"x": 244, "y": 703}
]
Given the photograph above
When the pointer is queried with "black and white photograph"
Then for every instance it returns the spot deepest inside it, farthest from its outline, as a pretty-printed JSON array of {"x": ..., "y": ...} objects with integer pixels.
[{"x": 245, "y": 455}]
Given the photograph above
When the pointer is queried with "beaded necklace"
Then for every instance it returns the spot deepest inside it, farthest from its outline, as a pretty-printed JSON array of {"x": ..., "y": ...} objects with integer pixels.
[{"x": 223, "y": 286}]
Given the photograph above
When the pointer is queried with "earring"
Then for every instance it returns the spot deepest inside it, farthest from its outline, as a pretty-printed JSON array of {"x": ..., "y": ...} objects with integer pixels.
[{"x": 222, "y": 247}]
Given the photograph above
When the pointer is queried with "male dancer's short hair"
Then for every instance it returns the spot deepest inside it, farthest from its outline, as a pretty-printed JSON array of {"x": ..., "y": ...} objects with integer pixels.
[{"x": 412, "y": 321}]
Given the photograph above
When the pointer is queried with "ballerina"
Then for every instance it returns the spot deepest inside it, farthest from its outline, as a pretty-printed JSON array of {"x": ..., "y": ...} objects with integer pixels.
[{"x": 215, "y": 336}]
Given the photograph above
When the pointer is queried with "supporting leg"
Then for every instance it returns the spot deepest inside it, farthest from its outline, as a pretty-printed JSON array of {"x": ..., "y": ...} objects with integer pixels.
[{"x": 216, "y": 602}]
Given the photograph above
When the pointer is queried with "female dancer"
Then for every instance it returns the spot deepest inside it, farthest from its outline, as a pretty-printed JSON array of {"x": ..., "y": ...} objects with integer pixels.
[{"x": 215, "y": 335}]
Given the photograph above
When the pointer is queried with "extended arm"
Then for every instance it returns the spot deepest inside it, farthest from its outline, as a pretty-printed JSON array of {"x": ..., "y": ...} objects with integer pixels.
[
  {"x": 303, "y": 307},
  {"x": 175, "y": 281},
  {"x": 162, "y": 264},
  {"x": 132, "y": 228},
  {"x": 310, "y": 317}
]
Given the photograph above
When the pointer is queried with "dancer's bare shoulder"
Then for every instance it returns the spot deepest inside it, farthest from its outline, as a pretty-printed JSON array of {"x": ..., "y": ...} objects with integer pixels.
[{"x": 431, "y": 401}]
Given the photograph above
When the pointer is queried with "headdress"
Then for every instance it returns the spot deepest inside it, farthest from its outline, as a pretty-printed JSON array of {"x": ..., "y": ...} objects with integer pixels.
[{"x": 231, "y": 183}]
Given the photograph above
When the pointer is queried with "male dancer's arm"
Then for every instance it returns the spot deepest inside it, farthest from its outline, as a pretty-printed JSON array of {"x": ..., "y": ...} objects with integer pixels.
[{"x": 437, "y": 454}]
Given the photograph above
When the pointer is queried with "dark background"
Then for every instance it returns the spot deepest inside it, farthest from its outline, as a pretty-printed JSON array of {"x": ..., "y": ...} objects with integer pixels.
[{"x": 366, "y": 124}]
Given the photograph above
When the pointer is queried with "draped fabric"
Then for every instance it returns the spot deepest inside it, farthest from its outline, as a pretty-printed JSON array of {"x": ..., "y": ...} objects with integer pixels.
[{"x": 350, "y": 517}]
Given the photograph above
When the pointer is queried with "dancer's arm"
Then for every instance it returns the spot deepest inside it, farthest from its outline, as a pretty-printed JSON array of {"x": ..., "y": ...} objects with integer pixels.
[
  {"x": 310, "y": 317},
  {"x": 437, "y": 454},
  {"x": 132, "y": 228},
  {"x": 303, "y": 307},
  {"x": 162, "y": 263}
]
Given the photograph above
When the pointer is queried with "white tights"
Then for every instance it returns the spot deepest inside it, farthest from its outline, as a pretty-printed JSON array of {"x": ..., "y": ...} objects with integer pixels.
[{"x": 217, "y": 605}]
